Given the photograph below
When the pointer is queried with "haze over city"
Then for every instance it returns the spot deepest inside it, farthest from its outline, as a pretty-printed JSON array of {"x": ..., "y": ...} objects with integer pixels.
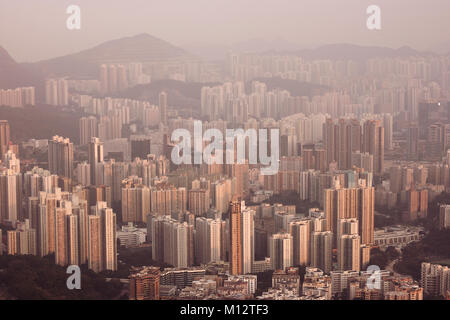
[
  {"x": 235, "y": 154},
  {"x": 207, "y": 26}
]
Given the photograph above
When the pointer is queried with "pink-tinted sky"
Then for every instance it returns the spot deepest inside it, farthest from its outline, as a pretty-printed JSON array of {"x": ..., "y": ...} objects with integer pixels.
[{"x": 36, "y": 29}]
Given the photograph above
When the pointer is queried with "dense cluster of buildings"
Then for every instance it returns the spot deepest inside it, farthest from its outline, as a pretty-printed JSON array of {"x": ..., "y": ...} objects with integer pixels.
[
  {"x": 435, "y": 280},
  {"x": 18, "y": 97},
  {"x": 377, "y": 137},
  {"x": 150, "y": 283}
]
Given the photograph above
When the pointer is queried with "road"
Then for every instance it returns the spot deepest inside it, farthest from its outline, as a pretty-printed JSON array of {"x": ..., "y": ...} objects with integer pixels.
[{"x": 390, "y": 267}]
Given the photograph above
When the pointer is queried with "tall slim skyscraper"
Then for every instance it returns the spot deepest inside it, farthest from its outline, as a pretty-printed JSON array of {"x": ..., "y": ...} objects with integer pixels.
[
  {"x": 163, "y": 107},
  {"x": 81, "y": 211},
  {"x": 172, "y": 241},
  {"x": 412, "y": 142},
  {"x": 198, "y": 201},
  {"x": 301, "y": 241},
  {"x": 73, "y": 240},
  {"x": 242, "y": 235},
  {"x": 109, "y": 241},
  {"x": 349, "y": 252},
  {"x": 329, "y": 140},
  {"x": 235, "y": 238},
  {"x": 208, "y": 240},
  {"x": 248, "y": 239},
  {"x": 103, "y": 77},
  {"x": 340, "y": 140},
  {"x": 95, "y": 261},
  {"x": 444, "y": 216},
  {"x": 95, "y": 158},
  {"x": 366, "y": 211},
  {"x": 348, "y": 245},
  {"x": 321, "y": 250},
  {"x": 281, "y": 251},
  {"x": 46, "y": 222},
  {"x": 13, "y": 242},
  {"x": 102, "y": 241},
  {"x": 122, "y": 80},
  {"x": 88, "y": 129},
  {"x": 135, "y": 201},
  {"x": 60, "y": 157},
  {"x": 4, "y": 137},
  {"x": 10, "y": 196},
  {"x": 112, "y": 79},
  {"x": 61, "y": 234},
  {"x": 345, "y": 203},
  {"x": 373, "y": 143},
  {"x": 57, "y": 92},
  {"x": 51, "y": 92},
  {"x": 63, "y": 92},
  {"x": 388, "y": 130}
]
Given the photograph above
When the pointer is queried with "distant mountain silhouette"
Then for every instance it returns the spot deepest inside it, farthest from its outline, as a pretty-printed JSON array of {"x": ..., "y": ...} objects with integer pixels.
[
  {"x": 146, "y": 48},
  {"x": 279, "y": 45},
  {"x": 13, "y": 74},
  {"x": 219, "y": 51},
  {"x": 139, "y": 48},
  {"x": 5, "y": 58},
  {"x": 355, "y": 52}
]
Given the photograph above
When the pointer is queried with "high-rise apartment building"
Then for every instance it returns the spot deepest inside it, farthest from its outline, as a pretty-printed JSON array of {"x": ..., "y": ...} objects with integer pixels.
[
  {"x": 241, "y": 232},
  {"x": 301, "y": 241},
  {"x": 61, "y": 237},
  {"x": 60, "y": 157},
  {"x": 198, "y": 201},
  {"x": 4, "y": 137},
  {"x": 222, "y": 194},
  {"x": 102, "y": 241},
  {"x": 112, "y": 79},
  {"x": 172, "y": 241},
  {"x": 321, "y": 250},
  {"x": 109, "y": 241},
  {"x": 435, "y": 279},
  {"x": 73, "y": 239},
  {"x": 103, "y": 77},
  {"x": 344, "y": 203},
  {"x": 208, "y": 240},
  {"x": 373, "y": 143},
  {"x": 341, "y": 140},
  {"x": 235, "y": 238},
  {"x": 88, "y": 129},
  {"x": 10, "y": 196},
  {"x": 135, "y": 201},
  {"x": 163, "y": 107},
  {"x": 349, "y": 252},
  {"x": 95, "y": 261},
  {"x": 412, "y": 142},
  {"x": 444, "y": 216},
  {"x": 281, "y": 250},
  {"x": 167, "y": 199},
  {"x": 95, "y": 153},
  {"x": 57, "y": 92}
]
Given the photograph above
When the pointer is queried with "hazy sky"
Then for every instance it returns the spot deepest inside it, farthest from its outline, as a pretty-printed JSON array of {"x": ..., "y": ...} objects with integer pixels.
[{"x": 36, "y": 29}]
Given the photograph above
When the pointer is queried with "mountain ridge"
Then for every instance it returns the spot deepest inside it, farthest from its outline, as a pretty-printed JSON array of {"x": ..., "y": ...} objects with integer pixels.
[
  {"x": 147, "y": 48},
  {"x": 139, "y": 48},
  {"x": 13, "y": 74}
]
